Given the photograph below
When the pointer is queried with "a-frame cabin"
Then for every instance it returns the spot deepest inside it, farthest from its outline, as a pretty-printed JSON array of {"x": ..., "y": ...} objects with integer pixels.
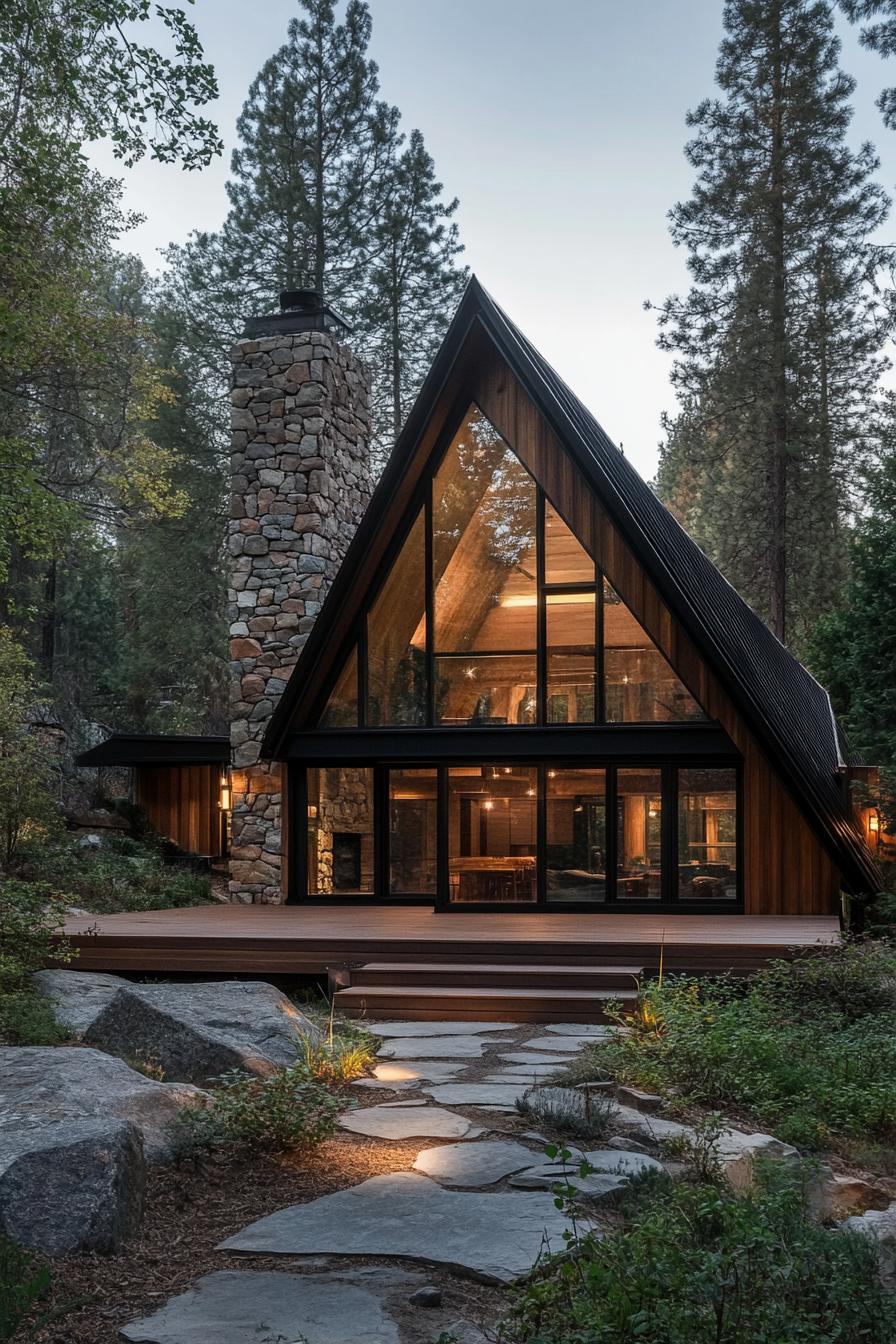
[
  {"x": 528, "y": 687},
  {"x": 531, "y": 735}
]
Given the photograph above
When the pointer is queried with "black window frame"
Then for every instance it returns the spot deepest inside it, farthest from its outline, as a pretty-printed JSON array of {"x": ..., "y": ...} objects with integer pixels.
[
  {"x": 670, "y": 901},
  {"x": 422, "y": 501}
]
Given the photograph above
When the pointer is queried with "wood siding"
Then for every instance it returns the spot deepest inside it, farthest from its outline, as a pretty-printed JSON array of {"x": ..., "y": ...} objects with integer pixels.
[
  {"x": 181, "y": 801},
  {"x": 787, "y": 870}
]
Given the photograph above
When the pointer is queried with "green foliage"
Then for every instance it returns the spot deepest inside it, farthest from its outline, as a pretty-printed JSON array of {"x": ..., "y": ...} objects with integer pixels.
[
  {"x": 806, "y": 1049},
  {"x": 778, "y": 342},
  {"x": 289, "y": 1110},
  {"x": 31, "y": 919},
  {"x": 123, "y": 874},
  {"x": 26, "y": 761},
  {"x": 695, "y": 1264},
  {"x": 853, "y": 649},
  {"x": 22, "y": 1283}
]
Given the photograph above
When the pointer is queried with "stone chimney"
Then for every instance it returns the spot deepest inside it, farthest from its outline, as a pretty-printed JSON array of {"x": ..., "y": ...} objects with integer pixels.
[{"x": 301, "y": 481}]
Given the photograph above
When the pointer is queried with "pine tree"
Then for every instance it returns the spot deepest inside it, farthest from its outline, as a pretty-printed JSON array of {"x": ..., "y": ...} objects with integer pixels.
[
  {"x": 412, "y": 286},
  {"x": 879, "y": 36},
  {"x": 324, "y": 192},
  {"x": 309, "y": 179},
  {"x": 778, "y": 339},
  {"x": 853, "y": 649}
]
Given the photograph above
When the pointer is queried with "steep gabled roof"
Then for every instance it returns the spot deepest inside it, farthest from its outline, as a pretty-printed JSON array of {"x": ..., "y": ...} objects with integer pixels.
[{"x": 782, "y": 703}]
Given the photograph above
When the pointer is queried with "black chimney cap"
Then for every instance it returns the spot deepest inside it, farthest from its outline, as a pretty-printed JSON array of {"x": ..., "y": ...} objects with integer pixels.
[{"x": 300, "y": 310}]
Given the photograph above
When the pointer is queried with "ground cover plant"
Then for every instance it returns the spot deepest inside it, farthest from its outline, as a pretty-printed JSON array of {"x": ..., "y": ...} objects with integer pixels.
[
  {"x": 693, "y": 1263},
  {"x": 288, "y": 1110},
  {"x": 30, "y": 935},
  {"x": 806, "y": 1049},
  {"x": 123, "y": 873}
]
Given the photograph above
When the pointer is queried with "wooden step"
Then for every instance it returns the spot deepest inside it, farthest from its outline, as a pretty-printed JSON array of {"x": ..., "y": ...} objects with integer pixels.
[
  {"x": 483, "y": 974},
  {"x": 503, "y": 1003}
]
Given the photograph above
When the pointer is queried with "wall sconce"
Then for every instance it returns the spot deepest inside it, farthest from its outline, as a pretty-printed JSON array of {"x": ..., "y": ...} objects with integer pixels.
[
  {"x": 653, "y": 807},
  {"x": 874, "y": 825},
  {"x": 224, "y": 799},
  {"x": 488, "y": 804}
]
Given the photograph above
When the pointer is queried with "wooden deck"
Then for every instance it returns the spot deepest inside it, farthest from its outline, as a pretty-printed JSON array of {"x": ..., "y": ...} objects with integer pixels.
[{"x": 311, "y": 940}]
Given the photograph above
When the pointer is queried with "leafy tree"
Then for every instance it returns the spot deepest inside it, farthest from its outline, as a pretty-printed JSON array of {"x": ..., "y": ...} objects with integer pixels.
[
  {"x": 778, "y": 340},
  {"x": 26, "y": 758}
]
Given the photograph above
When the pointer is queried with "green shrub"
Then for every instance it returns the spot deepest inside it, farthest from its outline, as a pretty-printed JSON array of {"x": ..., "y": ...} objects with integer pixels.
[
  {"x": 807, "y": 1050},
  {"x": 551, "y": 1109},
  {"x": 31, "y": 920},
  {"x": 287, "y": 1110},
  {"x": 22, "y": 1284},
  {"x": 695, "y": 1264},
  {"x": 123, "y": 874}
]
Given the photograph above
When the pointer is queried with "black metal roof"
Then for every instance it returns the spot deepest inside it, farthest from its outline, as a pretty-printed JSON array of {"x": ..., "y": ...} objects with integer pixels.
[
  {"x": 787, "y": 709},
  {"x": 157, "y": 749}
]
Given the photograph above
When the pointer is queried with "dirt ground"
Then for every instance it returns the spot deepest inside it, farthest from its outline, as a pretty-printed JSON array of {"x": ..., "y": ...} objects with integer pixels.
[{"x": 189, "y": 1211}]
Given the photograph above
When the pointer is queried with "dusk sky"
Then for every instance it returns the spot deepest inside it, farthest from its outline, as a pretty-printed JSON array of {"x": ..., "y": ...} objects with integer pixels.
[{"x": 561, "y": 130}]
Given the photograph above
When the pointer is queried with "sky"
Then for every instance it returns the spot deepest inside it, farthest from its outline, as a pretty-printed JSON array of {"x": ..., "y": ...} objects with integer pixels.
[{"x": 560, "y": 127}]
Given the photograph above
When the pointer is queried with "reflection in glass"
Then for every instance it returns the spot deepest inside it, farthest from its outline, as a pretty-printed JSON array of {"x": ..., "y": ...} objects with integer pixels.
[
  {"x": 412, "y": 831},
  {"x": 341, "y": 709},
  {"x": 472, "y": 689},
  {"x": 707, "y": 835},
  {"x": 639, "y": 814},
  {"x": 576, "y": 853},
  {"x": 340, "y": 831},
  {"x": 565, "y": 559},
  {"x": 640, "y": 686},
  {"x": 483, "y": 545},
  {"x": 492, "y": 834},
  {"x": 570, "y": 624},
  {"x": 396, "y": 640}
]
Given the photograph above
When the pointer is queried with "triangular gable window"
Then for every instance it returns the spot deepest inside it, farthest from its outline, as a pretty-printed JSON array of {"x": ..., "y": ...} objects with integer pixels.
[
  {"x": 396, "y": 639},
  {"x": 342, "y": 707},
  {"x": 639, "y": 684},
  {"x": 485, "y": 595},
  {"x": 512, "y": 589}
]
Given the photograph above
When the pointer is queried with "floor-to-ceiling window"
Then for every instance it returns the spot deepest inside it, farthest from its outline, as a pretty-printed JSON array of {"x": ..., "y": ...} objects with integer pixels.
[
  {"x": 502, "y": 834},
  {"x": 492, "y": 834}
]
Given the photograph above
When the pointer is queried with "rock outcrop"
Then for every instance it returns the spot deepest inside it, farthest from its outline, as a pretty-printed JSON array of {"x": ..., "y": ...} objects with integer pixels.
[{"x": 195, "y": 1032}]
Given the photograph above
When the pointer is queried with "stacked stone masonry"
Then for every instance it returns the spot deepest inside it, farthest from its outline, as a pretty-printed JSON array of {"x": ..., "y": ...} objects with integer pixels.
[{"x": 301, "y": 481}]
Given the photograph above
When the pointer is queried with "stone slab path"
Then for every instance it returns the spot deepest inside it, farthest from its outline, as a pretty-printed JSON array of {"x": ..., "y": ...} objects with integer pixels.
[
  {"x": 477, "y": 1202},
  {"x": 494, "y": 1237}
]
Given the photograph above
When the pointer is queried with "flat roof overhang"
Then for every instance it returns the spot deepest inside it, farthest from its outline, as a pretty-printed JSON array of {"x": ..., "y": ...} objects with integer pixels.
[{"x": 129, "y": 749}]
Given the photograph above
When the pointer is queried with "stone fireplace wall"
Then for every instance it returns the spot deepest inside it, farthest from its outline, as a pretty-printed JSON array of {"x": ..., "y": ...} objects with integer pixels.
[{"x": 301, "y": 481}]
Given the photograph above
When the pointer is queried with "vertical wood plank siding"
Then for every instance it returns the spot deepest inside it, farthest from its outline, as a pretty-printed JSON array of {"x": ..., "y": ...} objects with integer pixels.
[
  {"x": 787, "y": 871},
  {"x": 181, "y": 801}
]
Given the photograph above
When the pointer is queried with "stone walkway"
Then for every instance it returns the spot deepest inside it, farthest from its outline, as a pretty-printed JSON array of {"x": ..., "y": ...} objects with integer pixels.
[{"x": 479, "y": 1204}]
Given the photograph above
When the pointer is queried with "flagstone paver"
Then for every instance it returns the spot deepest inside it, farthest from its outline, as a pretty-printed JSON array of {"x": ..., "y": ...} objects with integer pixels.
[
  {"x": 495, "y": 1237},
  {"x": 533, "y": 1057},
  {"x": 400, "y": 1074},
  {"x": 251, "y": 1307},
  {"x": 406, "y": 1029},
  {"x": 570, "y": 1044},
  {"x": 413, "y": 1122},
  {"x": 477, "y": 1094},
  {"x": 474, "y": 1164},
  {"x": 593, "y": 1031},
  {"x": 436, "y": 1047}
]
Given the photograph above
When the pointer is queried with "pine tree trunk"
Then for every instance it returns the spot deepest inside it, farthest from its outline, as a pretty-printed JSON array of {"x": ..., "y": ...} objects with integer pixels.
[
  {"x": 778, "y": 482},
  {"x": 48, "y": 622},
  {"x": 394, "y": 316},
  {"x": 320, "y": 241}
]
